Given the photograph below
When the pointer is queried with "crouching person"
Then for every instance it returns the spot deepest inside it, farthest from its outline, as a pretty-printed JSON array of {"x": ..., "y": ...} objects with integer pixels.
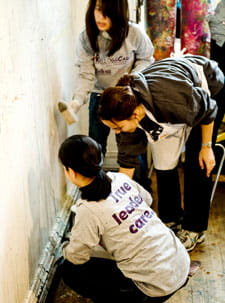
[{"x": 119, "y": 250}]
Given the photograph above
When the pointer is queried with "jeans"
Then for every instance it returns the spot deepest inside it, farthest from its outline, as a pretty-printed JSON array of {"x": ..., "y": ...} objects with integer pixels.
[
  {"x": 97, "y": 130},
  {"x": 217, "y": 54}
]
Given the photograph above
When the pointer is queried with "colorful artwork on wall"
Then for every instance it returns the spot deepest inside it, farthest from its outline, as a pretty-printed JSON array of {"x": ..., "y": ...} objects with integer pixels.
[
  {"x": 161, "y": 26},
  {"x": 195, "y": 34}
]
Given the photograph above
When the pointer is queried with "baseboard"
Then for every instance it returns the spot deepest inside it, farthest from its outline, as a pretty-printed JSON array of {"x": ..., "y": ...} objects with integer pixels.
[{"x": 46, "y": 268}]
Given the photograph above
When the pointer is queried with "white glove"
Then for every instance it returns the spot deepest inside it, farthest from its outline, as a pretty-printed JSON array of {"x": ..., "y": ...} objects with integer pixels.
[
  {"x": 69, "y": 110},
  {"x": 76, "y": 105}
]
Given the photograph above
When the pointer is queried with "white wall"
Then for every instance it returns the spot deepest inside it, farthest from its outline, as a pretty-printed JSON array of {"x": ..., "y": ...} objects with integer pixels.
[
  {"x": 37, "y": 41},
  {"x": 36, "y": 69}
]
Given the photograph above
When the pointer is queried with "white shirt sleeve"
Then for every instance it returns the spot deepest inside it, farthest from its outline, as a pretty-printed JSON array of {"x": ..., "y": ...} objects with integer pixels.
[
  {"x": 85, "y": 235},
  {"x": 84, "y": 64},
  {"x": 144, "y": 49}
]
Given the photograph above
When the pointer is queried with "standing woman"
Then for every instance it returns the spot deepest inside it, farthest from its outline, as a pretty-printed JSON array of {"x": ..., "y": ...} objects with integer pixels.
[
  {"x": 109, "y": 46},
  {"x": 216, "y": 22},
  {"x": 176, "y": 102}
]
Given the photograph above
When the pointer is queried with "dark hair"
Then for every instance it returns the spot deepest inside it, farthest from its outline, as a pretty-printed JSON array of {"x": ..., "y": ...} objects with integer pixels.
[
  {"x": 118, "y": 12},
  {"x": 118, "y": 102},
  {"x": 84, "y": 155}
]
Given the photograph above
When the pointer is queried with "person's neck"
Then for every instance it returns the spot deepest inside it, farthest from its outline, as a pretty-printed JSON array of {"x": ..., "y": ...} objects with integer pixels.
[{"x": 84, "y": 181}]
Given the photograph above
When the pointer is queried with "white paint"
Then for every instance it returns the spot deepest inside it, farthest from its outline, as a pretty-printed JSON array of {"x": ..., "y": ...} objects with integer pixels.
[
  {"x": 37, "y": 42},
  {"x": 36, "y": 70}
]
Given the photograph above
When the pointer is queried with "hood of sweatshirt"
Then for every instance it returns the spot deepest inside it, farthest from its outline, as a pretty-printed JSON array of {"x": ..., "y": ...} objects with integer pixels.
[{"x": 141, "y": 89}]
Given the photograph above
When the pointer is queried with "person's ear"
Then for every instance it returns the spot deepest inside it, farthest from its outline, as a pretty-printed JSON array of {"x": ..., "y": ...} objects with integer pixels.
[
  {"x": 138, "y": 112},
  {"x": 72, "y": 173},
  {"x": 135, "y": 114}
]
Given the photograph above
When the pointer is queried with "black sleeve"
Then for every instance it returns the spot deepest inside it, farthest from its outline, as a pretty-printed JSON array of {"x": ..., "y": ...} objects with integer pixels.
[
  {"x": 205, "y": 108},
  {"x": 180, "y": 101},
  {"x": 213, "y": 73},
  {"x": 130, "y": 146}
]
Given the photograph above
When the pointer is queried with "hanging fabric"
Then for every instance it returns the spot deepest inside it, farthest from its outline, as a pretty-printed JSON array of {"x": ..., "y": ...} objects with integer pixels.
[
  {"x": 195, "y": 34},
  {"x": 161, "y": 26}
]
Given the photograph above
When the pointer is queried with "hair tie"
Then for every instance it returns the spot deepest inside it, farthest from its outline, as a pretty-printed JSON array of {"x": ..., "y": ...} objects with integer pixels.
[{"x": 101, "y": 161}]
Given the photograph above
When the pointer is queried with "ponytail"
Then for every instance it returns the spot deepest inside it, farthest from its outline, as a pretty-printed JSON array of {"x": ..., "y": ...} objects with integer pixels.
[
  {"x": 84, "y": 155},
  {"x": 126, "y": 80},
  {"x": 119, "y": 102}
]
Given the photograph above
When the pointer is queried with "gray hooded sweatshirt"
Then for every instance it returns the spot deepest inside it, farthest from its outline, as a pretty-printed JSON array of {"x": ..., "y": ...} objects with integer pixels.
[
  {"x": 97, "y": 71},
  {"x": 216, "y": 22}
]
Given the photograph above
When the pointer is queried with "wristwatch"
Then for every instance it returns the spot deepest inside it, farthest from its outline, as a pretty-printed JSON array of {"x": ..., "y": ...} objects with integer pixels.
[{"x": 207, "y": 144}]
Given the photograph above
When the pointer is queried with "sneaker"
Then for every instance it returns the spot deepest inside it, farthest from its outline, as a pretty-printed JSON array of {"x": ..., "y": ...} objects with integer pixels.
[
  {"x": 67, "y": 112},
  {"x": 175, "y": 227},
  {"x": 190, "y": 238}
]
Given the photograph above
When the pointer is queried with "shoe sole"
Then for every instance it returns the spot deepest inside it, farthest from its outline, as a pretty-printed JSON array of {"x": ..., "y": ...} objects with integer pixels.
[
  {"x": 175, "y": 227},
  {"x": 199, "y": 241}
]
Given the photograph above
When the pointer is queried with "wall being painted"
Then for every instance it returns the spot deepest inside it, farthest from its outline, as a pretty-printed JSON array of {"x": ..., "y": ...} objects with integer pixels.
[
  {"x": 36, "y": 69},
  {"x": 37, "y": 42}
]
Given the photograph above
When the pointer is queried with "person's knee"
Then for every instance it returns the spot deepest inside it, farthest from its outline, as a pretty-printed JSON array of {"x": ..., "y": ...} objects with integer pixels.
[{"x": 65, "y": 271}]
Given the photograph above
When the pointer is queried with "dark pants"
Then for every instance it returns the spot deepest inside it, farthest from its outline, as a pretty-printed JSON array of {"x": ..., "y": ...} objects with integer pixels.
[
  {"x": 100, "y": 132},
  {"x": 97, "y": 130},
  {"x": 217, "y": 54},
  {"x": 102, "y": 281},
  {"x": 197, "y": 187}
]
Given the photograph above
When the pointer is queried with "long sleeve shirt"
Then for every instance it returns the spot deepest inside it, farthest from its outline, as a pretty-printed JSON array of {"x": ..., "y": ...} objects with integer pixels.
[
  {"x": 171, "y": 91},
  {"x": 97, "y": 71},
  {"x": 216, "y": 22},
  {"x": 144, "y": 249}
]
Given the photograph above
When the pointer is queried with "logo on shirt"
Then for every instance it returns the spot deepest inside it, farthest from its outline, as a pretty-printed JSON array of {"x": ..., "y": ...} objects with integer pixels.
[
  {"x": 115, "y": 60},
  {"x": 134, "y": 203}
]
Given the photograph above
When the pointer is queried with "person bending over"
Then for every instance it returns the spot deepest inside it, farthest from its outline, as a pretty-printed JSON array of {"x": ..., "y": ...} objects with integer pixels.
[{"x": 178, "y": 102}]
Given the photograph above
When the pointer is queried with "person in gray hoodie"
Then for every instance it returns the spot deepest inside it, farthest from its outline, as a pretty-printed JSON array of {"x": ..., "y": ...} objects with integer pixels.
[
  {"x": 109, "y": 46},
  {"x": 179, "y": 103},
  {"x": 118, "y": 250},
  {"x": 216, "y": 20}
]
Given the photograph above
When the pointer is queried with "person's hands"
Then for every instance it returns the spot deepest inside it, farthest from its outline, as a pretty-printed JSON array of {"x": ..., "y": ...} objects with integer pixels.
[
  {"x": 75, "y": 105},
  {"x": 207, "y": 159},
  {"x": 69, "y": 110}
]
